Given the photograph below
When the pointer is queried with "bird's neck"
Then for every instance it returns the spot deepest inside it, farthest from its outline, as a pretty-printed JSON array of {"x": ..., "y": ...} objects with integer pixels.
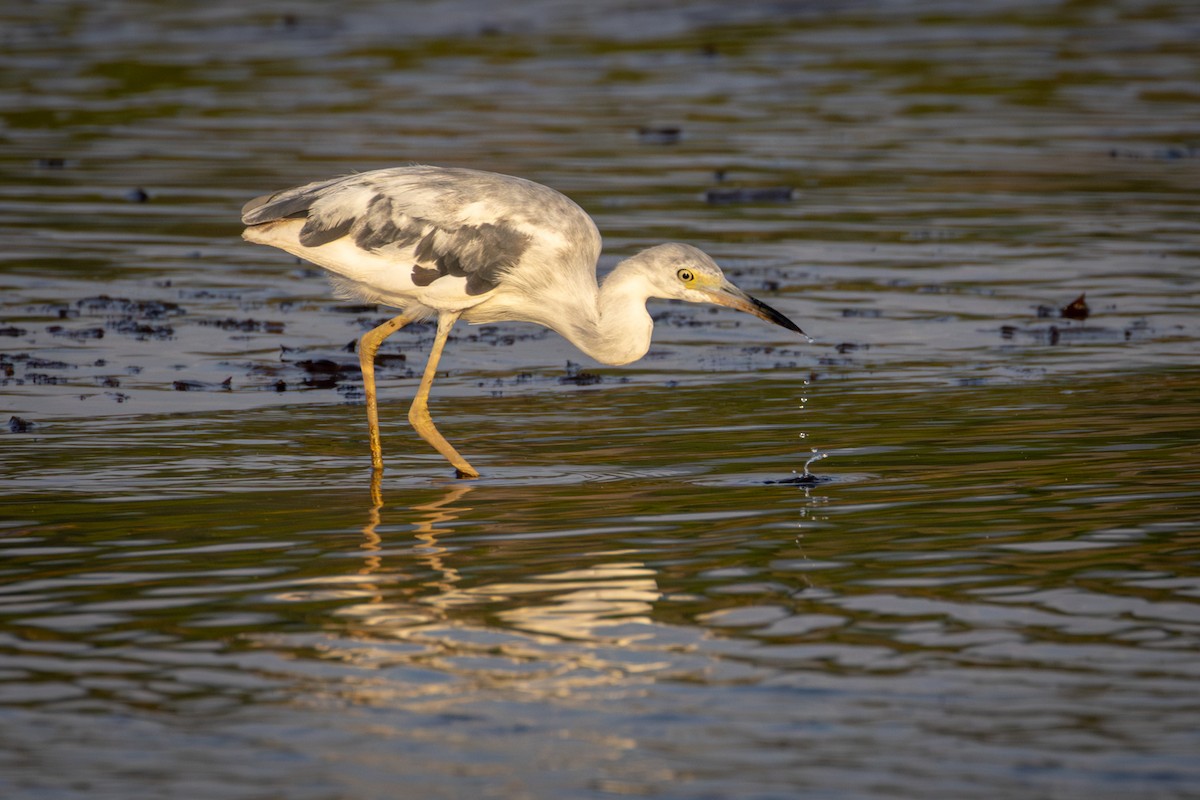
[{"x": 620, "y": 331}]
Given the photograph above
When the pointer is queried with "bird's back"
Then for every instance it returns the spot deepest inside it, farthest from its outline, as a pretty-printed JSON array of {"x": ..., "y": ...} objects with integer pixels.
[{"x": 433, "y": 237}]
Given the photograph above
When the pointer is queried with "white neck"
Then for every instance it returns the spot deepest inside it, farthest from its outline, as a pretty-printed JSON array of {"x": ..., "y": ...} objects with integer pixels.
[{"x": 620, "y": 332}]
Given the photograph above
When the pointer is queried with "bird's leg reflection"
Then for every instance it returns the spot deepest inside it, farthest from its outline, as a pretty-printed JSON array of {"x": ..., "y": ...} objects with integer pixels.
[
  {"x": 609, "y": 599},
  {"x": 433, "y": 514},
  {"x": 380, "y": 603},
  {"x": 371, "y": 537},
  {"x": 437, "y": 513}
]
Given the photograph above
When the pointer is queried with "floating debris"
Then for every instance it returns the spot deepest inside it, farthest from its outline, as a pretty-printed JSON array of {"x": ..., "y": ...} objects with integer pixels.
[
  {"x": 1076, "y": 309},
  {"x": 802, "y": 480},
  {"x": 766, "y": 194},
  {"x": 322, "y": 366},
  {"x": 42, "y": 379},
  {"x": 142, "y": 331},
  {"x": 83, "y": 333},
  {"x": 150, "y": 309},
  {"x": 578, "y": 377},
  {"x": 243, "y": 325},
  {"x": 323, "y": 373},
  {"x": 1171, "y": 153},
  {"x": 667, "y": 134},
  {"x": 202, "y": 386}
]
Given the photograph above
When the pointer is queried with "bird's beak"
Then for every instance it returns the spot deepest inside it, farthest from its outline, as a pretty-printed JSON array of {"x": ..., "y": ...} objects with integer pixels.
[{"x": 733, "y": 297}]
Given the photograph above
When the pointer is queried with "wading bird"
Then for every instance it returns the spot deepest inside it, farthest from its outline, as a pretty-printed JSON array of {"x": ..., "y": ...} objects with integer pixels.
[{"x": 462, "y": 244}]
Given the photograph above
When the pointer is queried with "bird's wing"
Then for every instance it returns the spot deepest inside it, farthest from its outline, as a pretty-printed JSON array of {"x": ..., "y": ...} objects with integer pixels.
[{"x": 445, "y": 222}]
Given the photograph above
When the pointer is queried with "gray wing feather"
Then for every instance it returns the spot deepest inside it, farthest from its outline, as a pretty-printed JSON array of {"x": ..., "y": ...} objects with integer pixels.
[{"x": 415, "y": 213}]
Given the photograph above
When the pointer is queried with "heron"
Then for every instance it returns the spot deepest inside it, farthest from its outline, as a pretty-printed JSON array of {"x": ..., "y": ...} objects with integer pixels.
[{"x": 456, "y": 243}]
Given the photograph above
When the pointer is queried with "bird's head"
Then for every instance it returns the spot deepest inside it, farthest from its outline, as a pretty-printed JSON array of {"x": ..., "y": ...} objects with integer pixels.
[{"x": 683, "y": 272}]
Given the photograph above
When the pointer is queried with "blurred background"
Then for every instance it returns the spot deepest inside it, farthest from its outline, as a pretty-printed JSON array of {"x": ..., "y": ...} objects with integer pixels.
[{"x": 983, "y": 212}]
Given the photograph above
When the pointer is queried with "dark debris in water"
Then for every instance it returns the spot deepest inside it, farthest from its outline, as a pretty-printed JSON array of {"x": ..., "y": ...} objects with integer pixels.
[
  {"x": 807, "y": 479},
  {"x": 203, "y": 386},
  {"x": 141, "y": 319},
  {"x": 324, "y": 373},
  {"x": 68, "y": 325},
  {"x": 497, "y": 336},
  {"x": 352, "y": 308},
  {"x": 78, "y": 333},
  {"x": 1170, "y": 153},
  {"x": 141, "y": 330},
  {"x": 733, "y": 195},
  {"x": 763, "y": 194},
  {"x": 579, "y": 377},
  {"x": 145, "y": 309},
  {"x": 243, "y": 325},
  {"x": 1076, "y": 309},
  {"x": 663, "y": 134}
]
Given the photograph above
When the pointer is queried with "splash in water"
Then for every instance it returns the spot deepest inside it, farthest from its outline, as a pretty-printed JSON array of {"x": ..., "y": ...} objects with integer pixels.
[
  {"x": 817, "y": 456},
  {"x": 806, "y": 478}
]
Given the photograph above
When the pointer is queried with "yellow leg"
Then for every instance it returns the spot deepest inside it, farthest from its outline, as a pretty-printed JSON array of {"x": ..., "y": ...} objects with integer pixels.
[
  {"x": 368, "y": 345},
  {"x": 418, "y": 415}
]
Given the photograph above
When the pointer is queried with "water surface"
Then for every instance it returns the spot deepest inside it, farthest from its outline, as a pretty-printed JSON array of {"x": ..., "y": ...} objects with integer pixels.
[{"x": 992, "y": 592}]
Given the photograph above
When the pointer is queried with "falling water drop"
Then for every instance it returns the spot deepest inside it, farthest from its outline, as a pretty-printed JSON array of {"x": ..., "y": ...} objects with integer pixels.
[{"x": 817, "y": 456}]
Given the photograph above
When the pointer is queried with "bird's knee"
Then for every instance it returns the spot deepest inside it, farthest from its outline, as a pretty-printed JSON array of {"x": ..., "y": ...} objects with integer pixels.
[
  {"x": 368, "y": 345},
  {"x": 419, "y": 417}
]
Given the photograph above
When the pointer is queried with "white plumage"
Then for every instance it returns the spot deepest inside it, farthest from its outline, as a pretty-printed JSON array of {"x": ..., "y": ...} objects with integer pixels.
[{"x": 457, "y": 243}]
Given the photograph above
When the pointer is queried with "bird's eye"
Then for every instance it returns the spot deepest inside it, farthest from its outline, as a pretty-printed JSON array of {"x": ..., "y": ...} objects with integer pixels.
[{"x": 685, "y": 275}]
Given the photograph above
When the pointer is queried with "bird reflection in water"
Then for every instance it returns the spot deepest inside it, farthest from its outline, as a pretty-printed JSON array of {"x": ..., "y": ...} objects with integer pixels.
[{"x": 598, "y": 602}]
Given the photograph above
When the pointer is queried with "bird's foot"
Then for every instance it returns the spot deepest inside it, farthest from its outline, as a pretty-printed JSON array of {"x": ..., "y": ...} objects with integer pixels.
[{"x": 465, "y": 471}]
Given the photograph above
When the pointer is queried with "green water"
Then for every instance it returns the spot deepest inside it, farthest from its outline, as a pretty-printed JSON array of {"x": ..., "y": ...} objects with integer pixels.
[{"x": 991, "y": 591}]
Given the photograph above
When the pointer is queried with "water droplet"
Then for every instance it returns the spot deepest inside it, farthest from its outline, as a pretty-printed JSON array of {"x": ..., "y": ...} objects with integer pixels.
[{"x": 817, "y": 456}]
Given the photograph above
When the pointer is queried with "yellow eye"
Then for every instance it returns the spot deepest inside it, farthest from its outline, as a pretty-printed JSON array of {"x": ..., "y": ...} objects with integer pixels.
[{"x": 685, "y": 275}]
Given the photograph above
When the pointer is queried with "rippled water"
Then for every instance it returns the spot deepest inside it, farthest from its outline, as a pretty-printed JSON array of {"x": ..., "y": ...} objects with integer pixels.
[{"x": 993, "y": 592}]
